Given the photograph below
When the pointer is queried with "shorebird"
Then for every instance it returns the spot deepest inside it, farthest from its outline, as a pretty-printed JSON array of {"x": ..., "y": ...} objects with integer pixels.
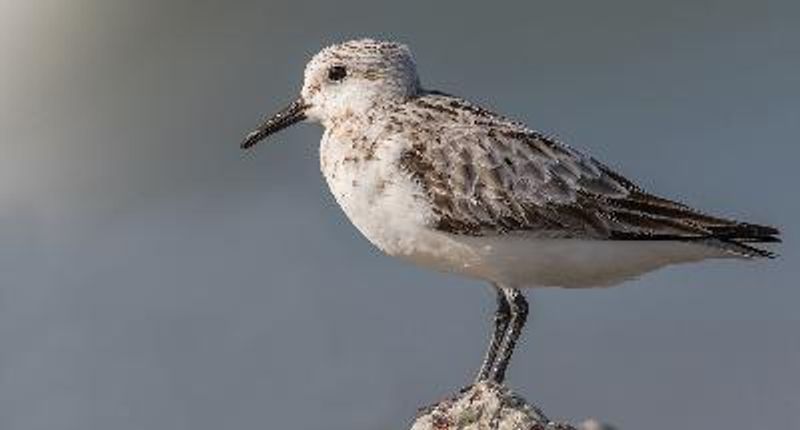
[{"x": 432, "y": 178}]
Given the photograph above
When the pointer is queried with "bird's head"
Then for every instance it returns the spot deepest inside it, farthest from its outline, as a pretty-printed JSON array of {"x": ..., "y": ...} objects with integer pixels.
[{"x": 346, "y": 79}]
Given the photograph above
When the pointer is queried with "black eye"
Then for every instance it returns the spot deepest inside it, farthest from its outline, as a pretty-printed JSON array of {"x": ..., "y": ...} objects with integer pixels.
[{"x": 337, "y": 73}]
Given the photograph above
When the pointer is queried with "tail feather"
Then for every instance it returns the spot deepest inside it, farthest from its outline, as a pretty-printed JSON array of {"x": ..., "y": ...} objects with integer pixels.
[
  {"x": 735, "y": 238},
  {"x": 741, "y": 248},
  {"x": 738, "y": 237},
  {"x": 644, "y": 216}
]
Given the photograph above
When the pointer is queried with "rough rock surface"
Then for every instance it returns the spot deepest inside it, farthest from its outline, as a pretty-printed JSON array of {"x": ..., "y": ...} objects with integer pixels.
[{"x": 489, "y": 406}]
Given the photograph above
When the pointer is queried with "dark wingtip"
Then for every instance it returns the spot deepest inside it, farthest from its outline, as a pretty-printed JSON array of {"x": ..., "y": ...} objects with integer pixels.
[
  {"x": 737, "y": 245},
  {"x": 746, "y": 231}
]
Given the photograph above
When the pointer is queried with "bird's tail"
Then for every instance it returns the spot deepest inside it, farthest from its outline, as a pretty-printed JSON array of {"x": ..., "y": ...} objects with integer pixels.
[{"x": 738, "y": 239}]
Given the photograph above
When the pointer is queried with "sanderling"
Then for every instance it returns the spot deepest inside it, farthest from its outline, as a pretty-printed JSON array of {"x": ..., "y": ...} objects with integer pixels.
[{"x": 444, "y": 183}]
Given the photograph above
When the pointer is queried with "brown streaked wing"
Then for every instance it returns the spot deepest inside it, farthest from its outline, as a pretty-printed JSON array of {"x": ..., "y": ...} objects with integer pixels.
[{"x": 487, "y": 175}]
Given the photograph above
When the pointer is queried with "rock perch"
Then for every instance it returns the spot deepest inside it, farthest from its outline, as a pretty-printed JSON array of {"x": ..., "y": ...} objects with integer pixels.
[{"x": 489, "y": 406}]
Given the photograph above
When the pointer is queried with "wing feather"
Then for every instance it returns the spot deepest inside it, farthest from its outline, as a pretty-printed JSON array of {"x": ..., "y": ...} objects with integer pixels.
[{"x": 487, "y": 175}]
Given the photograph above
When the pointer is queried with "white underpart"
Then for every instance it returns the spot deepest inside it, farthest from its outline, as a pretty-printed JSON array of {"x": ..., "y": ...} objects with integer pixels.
[{"x": 523, "y": 262}]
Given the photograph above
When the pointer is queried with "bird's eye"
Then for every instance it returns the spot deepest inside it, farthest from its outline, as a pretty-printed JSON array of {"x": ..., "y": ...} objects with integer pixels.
[{"x": 337, "y": 73}]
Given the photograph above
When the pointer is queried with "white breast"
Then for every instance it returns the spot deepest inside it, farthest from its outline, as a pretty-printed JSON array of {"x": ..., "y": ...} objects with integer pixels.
[{"x": 381, "y": 201}]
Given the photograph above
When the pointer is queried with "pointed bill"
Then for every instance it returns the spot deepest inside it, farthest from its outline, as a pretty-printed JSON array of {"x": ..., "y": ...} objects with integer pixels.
[{"x": 290, "y": 115}]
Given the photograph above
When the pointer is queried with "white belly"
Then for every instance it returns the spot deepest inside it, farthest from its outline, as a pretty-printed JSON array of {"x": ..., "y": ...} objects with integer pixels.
[{"x": 520, "y": 261}]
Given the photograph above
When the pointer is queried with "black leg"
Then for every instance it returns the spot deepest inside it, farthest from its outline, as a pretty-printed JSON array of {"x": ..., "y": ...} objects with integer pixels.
[
  {"x": 519, "y": 313},
  {"x": 501, "y": 318}
]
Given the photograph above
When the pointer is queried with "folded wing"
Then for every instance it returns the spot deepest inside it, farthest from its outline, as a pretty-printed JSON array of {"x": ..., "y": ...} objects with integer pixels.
[{"x": 486, "y": 175}]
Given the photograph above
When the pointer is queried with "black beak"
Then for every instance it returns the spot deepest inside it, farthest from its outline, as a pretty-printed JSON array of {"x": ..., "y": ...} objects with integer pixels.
[{"x": 292, "y": 114}]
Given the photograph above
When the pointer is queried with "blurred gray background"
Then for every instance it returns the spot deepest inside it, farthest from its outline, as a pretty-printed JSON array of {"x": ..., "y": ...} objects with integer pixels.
[{"x": 154, "y": 276}]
